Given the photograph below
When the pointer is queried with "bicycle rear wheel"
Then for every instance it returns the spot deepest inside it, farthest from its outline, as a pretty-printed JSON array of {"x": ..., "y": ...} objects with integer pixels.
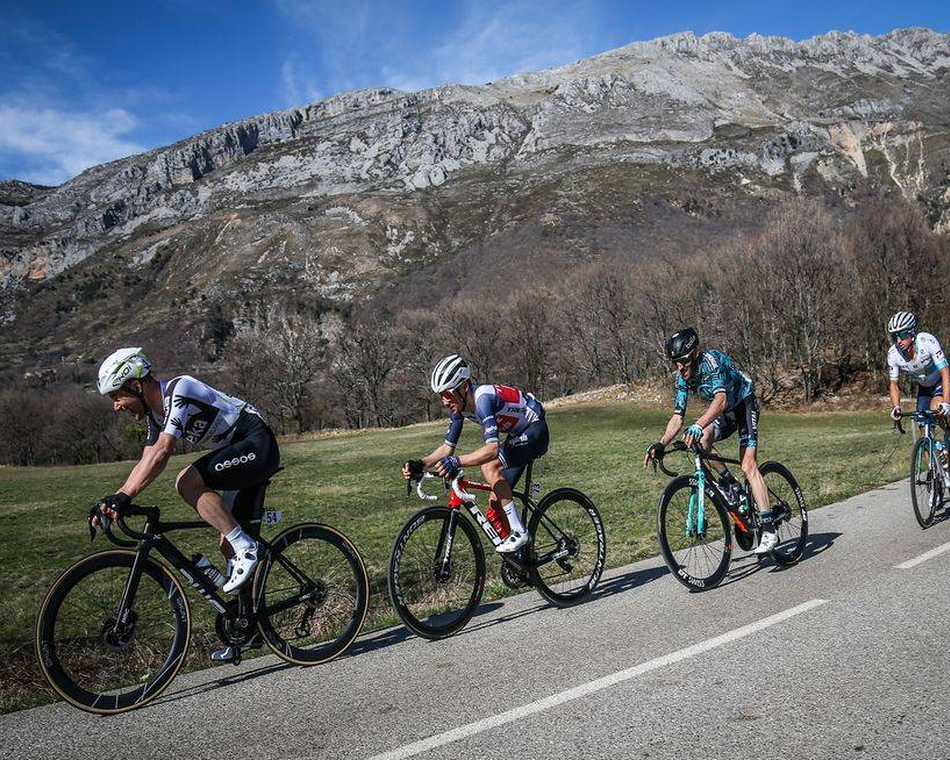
[
  {"x": 434, "y": 597},
  {"x": 789, "y": 514},
  {"x": 97, "y": 662},
  {"x": 925, "y": 482},
  {"x": 311, "y": 594},
  {"x": 567, "y": 532},
  {"x": 697, "y": 554}
]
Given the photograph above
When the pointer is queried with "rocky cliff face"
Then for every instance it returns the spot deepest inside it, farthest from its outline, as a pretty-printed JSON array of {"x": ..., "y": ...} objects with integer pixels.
[{"x": 640, "y": 149}]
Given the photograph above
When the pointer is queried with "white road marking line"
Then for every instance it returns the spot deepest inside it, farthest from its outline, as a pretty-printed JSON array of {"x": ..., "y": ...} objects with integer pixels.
[
  {"x": 494, "y": 721},
  {"x": 923, "y": 557}
]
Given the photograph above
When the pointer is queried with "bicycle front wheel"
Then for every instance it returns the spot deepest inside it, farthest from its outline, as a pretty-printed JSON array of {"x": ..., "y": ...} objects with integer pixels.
[
  {"x": 311, "y": 594},
  {"x": 436, "y": 572},
  {"x": 570, "y": 547},
  {"x": 789, "y": 514},
  {"x": 696, "y": 543},
  {"x": 925, "y": 482},
  {"x": 100, "y": 659}
]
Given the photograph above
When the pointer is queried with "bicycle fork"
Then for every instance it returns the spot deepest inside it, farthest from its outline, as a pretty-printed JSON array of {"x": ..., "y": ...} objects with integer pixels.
[
  {"x": 696, "y": 512},
  {"x": 443, "y": 551}
]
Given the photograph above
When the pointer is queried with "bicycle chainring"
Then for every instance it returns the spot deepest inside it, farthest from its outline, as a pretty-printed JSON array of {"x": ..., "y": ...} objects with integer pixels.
[
  {"x": 511, "y": 576},
  {"x": 745, "y": 539},
  {"x": 232, "y": 628}
]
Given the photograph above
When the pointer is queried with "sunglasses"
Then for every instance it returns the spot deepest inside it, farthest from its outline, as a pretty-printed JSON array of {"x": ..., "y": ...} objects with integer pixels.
[
  {"x": 902, "y": 335},
  {"x": 448, "y": 395},
  {"x": 682, "y": 362}
]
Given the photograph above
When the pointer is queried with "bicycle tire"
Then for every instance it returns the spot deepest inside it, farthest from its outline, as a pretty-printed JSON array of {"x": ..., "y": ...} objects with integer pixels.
[
  {"x": 68, "y": 662},
  {"x": 672, "y": 520},
  {"x": 421, "y": 598},
  {"x": 789, "y": 513},
  {"x": 923, "y": 484},
  {"x": 335, "y": 595},
  {"x": 552, "y": 530}
]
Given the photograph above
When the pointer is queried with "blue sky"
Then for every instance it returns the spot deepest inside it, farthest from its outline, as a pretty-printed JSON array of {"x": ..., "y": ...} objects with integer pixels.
[{"x": 86, "y": 82}]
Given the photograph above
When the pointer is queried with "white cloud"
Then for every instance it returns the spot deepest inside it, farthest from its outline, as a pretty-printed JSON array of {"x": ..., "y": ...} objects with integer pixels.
[
  {"x": 298, "y": 84},
  {"x": 358, "y": 44},
  {"x": 496, "y": 40},
  {"x": 59, "y": 144}
]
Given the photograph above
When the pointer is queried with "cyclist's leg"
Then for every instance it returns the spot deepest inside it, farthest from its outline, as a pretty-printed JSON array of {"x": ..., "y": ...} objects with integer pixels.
[
  {"x": 931, "y": 402},
  {"x": 747, "y": 416},
  {"x": 517, "y": 451},
  {"x": 241, "y": 464},
  {"x": 513, "y": 456},
  {"x": 206, "y": 501},
  {"x": 747, "y": 420},
  {"x": 721, "y": 428}
]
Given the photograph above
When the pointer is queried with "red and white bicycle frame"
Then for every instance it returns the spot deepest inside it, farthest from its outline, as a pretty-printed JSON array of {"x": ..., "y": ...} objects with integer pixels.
[{"x": 460, "y": 497}]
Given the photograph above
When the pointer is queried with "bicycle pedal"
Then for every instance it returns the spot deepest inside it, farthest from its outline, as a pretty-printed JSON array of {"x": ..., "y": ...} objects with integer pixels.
[{"x": 226, "y": 654}]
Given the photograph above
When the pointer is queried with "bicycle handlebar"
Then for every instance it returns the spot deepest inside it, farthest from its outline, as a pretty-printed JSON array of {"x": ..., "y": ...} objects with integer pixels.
[
  {"x": 919, "y": 417},
  {"x": 694, "y": 449},
  {"x": 456, "y": 488},
  {"x": 106, "y": 524}
]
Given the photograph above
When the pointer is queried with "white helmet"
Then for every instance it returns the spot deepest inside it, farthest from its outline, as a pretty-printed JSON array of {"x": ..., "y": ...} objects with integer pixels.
[
  {"x": 449, "y": 374},
  {"x": 120, "y": 367},
  {"x": 903, "y": 320}
]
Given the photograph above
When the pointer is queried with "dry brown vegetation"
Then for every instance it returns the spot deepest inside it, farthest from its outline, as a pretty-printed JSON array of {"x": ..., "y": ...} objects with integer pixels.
[{"x": 800, "y": 303}]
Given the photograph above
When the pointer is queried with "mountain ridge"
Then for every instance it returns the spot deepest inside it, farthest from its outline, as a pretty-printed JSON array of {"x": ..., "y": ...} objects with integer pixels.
[{"x": 338, "y": 199}]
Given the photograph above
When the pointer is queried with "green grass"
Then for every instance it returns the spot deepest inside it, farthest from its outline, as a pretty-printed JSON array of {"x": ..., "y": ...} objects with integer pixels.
[{"x": 352, "y": 481}]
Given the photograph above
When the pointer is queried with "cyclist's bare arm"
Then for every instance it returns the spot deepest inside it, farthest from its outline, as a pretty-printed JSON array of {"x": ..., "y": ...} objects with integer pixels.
[
  {"x": 716, "y": 407},
  {"x": 487, "y": 453},
  {"x": 673, "y": 428},
  {"x": 894, "y": 391},
  {"x": 153, "y": 461}
]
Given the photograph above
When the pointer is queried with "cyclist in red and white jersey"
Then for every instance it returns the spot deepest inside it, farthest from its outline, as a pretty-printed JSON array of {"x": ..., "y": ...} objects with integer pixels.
[{"x": 498, "y": 409}]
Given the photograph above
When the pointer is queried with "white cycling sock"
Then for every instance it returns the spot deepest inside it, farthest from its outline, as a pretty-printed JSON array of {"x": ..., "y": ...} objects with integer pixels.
[
  {"x": 514, "y": 519},
  {"x": 239, "y": 540}
]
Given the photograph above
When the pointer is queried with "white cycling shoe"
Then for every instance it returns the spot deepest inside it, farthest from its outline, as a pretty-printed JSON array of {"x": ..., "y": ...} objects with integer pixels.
[
  {"x": 242, "y": 564},
  {"x": 767, "y": 543},
  {"x": 516, "y": 539}
]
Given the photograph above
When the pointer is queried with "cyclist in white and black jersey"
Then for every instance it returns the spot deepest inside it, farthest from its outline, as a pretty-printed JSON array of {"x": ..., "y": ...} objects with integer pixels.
[
  {"x": 498, "y": 409},
  {"x": 920, "y": 355},
  {"x": 243, "y": 452}
]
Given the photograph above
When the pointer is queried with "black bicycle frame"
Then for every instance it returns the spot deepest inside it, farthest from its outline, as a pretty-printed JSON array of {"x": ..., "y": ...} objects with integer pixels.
[{"x": 153, "y": 536}]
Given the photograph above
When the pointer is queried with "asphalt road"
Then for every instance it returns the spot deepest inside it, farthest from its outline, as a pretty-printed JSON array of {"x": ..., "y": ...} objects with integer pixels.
[{"x": 843, "y": 655}]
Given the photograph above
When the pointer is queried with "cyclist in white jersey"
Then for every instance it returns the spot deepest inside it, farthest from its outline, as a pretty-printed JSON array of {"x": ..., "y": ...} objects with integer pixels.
[
  {"x": 243, "y": 452},
  {"x": 498, "y": 409},
  {"x": 920, "y": 355}
]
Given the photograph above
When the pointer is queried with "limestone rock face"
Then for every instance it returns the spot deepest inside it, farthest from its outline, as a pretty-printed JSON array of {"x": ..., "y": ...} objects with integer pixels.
[{"x": 353, "y": 194}]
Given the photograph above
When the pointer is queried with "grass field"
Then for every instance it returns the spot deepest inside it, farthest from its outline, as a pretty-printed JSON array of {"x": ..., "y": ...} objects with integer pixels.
[{"x": 352, "y": 481}]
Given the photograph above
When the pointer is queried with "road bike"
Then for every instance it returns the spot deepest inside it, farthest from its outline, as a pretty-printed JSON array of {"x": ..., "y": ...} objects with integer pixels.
[
  {"x": 114, "y": 629},
  {"x": 696, "y": 541},
  {"x": 437, "y": 568},
  {"x": 929, "y": 474}
]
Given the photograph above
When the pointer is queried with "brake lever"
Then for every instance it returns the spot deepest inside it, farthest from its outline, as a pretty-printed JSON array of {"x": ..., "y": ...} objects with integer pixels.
[{"x": 104, "y": 522}]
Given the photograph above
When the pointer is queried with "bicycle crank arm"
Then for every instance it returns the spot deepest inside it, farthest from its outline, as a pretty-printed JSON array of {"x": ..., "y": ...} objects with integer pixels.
[{"x": 552, "y": 556}]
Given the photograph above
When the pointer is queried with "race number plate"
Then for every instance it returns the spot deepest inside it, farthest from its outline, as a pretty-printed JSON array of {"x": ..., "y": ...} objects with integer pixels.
[{"x": 272, "y": 516}]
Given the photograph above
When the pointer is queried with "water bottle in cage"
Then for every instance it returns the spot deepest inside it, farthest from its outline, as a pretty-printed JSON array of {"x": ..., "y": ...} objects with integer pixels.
[{"x": 498, "y": 521}]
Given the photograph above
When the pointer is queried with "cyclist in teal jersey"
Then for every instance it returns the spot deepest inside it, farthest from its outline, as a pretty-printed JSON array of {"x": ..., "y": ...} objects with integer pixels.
[{"x": 712, "y": 376}]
